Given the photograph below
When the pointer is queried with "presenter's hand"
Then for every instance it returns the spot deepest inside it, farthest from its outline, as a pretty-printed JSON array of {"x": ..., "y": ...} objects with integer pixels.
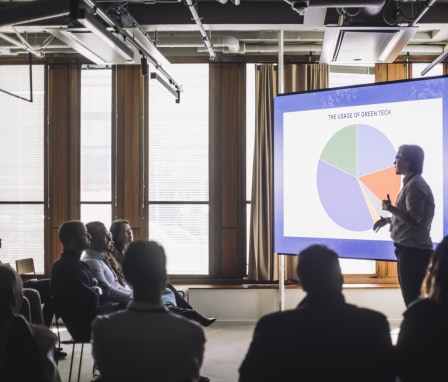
[
  {"x": 387, "y": 203},
  {"x": 380, "y": 223}
]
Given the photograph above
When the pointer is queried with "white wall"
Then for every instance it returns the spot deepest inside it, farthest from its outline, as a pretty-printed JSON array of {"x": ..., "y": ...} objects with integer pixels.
[{"x": 250, "y": 304}]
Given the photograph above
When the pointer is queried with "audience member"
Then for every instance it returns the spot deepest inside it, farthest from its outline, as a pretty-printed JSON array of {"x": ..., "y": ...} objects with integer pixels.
[
  {"x": 96, "y": 258},
  {"x": 31, "y": 307},
  {"x": 26, "y": 350},
  {"x": 77, "y": 295},
  {"x": 324, "y": 338},
  {"x": 171, "y": 298},
  {"x": 422, "y": 344},
  {"x": 122, "y": 236},
  {"x": 146, "y": 342}
]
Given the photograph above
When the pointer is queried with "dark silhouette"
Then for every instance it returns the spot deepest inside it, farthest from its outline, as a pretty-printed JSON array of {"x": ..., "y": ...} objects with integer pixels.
[
  {"x": 26, "y": 350},
  {"x": 146, "y": 342},
  {"x": 324, "y": 338},
  {"x": 423, "y": 338},
  {"x": 77, "y": 297}
]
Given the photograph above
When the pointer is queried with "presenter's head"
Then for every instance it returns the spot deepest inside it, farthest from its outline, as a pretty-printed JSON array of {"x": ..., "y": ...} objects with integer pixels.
[
  {"x": 319, "y": 271},
  {"x": 409, "y": 160}
]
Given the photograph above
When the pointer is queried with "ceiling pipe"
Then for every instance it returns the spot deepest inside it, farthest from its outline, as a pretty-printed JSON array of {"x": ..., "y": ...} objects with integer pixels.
[
  {"x": 230, "y": 43},
  {"x": 204, "y": 34},
  {"x": 429, "y": 4},
  {"x": 20, "y": 45},
  {"x": 414, "y": 49}
]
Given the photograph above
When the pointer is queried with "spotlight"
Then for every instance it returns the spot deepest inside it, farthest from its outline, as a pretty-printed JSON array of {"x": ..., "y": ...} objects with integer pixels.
[{"x": 144, "y": 65}]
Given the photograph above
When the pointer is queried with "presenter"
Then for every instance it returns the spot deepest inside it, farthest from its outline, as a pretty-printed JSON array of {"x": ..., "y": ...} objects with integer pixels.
[{"x": 410, "y": 223}]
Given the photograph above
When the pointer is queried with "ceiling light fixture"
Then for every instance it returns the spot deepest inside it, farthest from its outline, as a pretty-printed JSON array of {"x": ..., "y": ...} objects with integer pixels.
[{"x": 169, "y": 87}]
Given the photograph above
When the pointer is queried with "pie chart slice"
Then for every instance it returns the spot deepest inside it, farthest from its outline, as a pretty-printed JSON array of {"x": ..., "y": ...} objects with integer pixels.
[
  {"x": 348, "y": 208},
  {"x": 354, "y": 174}
]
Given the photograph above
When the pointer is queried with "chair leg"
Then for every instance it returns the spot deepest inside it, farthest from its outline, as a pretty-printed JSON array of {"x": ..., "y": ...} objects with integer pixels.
[
  {"x": 80, "y": 361},
  {"x": 71, "y": 362},
  {"x": 59, "y": 339}
]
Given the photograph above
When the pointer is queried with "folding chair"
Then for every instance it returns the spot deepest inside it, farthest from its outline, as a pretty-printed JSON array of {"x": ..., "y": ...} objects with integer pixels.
[{"x": 25, "y": 267}]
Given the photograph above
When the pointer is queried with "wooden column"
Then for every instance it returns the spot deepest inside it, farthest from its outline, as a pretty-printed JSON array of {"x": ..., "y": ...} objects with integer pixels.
[
  {"x": 62, "y": 152},
  {"x": 227, "y": 172},
  {"x": 129, "y": 147}
]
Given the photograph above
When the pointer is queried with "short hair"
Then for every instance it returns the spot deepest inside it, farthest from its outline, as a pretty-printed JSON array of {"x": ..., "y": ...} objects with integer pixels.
[
  {"x": 11, "y": 292},
  {"x": 435, "y": 285},
  {"x": 318, "y": 269},
  {"x": 95, "y": 228},
  {"x": 115, "y": 229},
  {"x": 144, "y": 265},
  {"x": 415, "y": 156},
  {"x": 68, "y": 230}
]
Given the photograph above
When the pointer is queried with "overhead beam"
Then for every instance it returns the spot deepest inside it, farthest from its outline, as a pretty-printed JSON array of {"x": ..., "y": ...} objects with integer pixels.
[{"x": 29, "y": 12}]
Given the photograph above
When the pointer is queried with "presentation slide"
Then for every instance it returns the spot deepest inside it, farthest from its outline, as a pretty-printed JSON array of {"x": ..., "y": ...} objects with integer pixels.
[{"x": 334, "y": 153}]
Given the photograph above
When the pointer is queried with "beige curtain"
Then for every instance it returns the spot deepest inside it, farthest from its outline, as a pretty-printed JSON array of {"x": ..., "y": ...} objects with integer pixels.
[{"x": 263, "y": 263}]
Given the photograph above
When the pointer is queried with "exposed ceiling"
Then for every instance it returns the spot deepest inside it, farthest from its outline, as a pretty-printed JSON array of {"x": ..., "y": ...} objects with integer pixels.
[{"x": 375, "y": 30}]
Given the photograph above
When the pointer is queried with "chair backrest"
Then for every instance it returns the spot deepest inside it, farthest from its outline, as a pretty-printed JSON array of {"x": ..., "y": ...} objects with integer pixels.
[{"x": 25, "y": 266}]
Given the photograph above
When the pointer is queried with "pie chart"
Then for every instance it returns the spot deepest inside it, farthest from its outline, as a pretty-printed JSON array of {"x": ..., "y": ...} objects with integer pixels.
[{"x": 354, "y": 174}]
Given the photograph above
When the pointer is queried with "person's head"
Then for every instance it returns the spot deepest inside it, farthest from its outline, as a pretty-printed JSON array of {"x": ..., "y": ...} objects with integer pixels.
[
  {"x": 435, "y": 285},
  {"x": 409, "y": 160},
  {"x": 318, "y": 270},
  {"x": 144, "y": 268},
  {"x": 101, "y": 240},
  {"x": 122, "y": 233},
  {"x": 74, "y": 236},
  {"x": 11, "y": 293}
]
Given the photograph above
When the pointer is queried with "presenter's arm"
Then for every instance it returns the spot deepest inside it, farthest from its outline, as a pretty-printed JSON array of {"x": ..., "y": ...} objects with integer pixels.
[
  {"x": 381, "y": 222},
  {"x": 404, "y": 216}
]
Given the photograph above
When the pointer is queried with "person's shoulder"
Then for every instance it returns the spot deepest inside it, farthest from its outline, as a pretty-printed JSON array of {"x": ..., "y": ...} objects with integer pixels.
[
  {"x": 365, "y": 312},
  {"x": 421, "y": 183},
  {"x": 277, "y": 318},
  {"x": 178, "y": 320},
  {"x": 88, "y": 255},
  {"x": 422, "y": 305},
  {"x": 104, "y": 320},
  {"x": 44, "y": 336}
]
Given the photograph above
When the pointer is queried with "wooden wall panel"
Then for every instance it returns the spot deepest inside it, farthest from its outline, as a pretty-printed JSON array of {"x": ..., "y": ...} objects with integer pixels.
[
  {"x": 63, "y": 130},
  {"x": 129, "y": 146},
  {"x": 228, "y": 152},
  {"x": 392, "y": 72}
]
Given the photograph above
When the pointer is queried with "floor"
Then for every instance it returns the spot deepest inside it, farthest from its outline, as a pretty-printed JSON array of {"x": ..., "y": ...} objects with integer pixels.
[{"x": 226, "y": 345}]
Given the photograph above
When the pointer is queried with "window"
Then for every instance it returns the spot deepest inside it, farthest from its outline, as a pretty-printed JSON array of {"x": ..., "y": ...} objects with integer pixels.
[
  {"x": 250, "y": 140},
  {"x": 178, "y": 171},
  {"x": 22, "y": 165},
  {"x": 96, "y": 145},
  {"x": 417, "y": 68}
]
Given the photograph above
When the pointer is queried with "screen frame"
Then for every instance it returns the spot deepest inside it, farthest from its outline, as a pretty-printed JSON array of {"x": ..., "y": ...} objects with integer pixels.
[{"x": 364, "y": 94}]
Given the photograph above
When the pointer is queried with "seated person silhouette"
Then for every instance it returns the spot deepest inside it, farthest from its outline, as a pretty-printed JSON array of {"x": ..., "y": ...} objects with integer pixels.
[
  {"x": 26, "y": 350},
  {"x": 422, "y": 341},
  {"x": 77, "y": 296},
  {"x": 146, "y": 342},
  {"x": 324, "y": 338},
  {"x": 95, "y": 258},
  {"x": 107, "y": 270}
]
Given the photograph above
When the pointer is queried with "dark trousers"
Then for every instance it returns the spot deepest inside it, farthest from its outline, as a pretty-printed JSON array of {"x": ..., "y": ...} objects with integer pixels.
[{"x": 412, "y": 267}]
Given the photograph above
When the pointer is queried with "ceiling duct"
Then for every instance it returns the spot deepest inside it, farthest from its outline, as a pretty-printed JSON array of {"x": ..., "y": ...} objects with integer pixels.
[
  {"x": 370, "y": 7},
  {"x": 348, "y": 45}
]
